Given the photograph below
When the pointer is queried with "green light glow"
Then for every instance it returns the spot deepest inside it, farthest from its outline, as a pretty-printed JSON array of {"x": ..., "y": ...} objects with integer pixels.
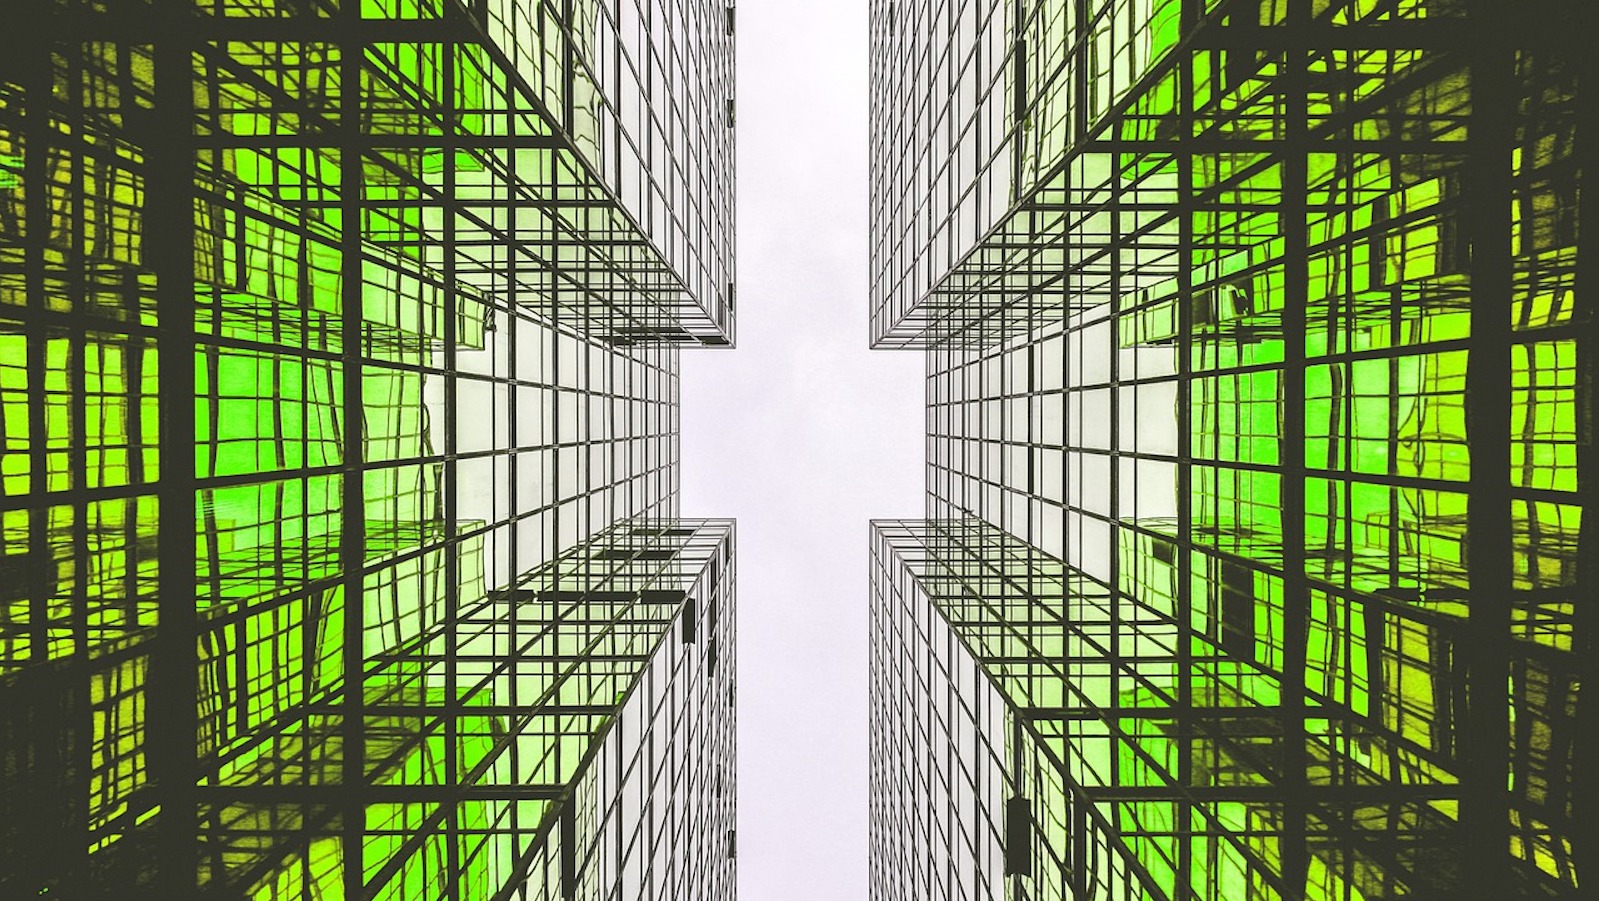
[{"x": 399, "y": 246}]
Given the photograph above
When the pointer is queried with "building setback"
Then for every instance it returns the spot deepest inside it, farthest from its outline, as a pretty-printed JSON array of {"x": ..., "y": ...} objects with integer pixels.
[
  {"x": 1259, "y": 408},
  {"x": 340, "y": 546}
]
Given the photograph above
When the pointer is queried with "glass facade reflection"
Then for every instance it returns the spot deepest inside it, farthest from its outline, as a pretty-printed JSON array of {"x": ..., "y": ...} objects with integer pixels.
[
  {"x": 1256, "y": 327},
  {"x": 338, "y": 442}
]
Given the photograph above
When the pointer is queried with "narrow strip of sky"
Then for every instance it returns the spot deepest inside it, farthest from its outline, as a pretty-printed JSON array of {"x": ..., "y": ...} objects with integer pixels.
[{"x": 803, "y": 434}]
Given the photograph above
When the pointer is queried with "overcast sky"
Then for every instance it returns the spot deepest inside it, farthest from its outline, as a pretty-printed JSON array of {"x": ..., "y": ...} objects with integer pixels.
[{"x": 802, "y": 434}]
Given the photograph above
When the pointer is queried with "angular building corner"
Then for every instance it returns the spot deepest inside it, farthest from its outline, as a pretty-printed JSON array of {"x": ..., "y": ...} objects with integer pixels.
[
  {"x": 1261, "y": 404},
  {"x": 340, "y": 544}
]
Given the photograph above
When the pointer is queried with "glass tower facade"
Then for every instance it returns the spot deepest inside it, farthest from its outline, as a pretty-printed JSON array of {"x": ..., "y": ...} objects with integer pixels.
[
  {"x": 340, "y": 553},
  {"x": 1260, "y": 404}
]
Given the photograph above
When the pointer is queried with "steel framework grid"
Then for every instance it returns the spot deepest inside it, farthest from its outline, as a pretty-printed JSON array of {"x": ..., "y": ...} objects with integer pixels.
[
  {"x": 1095, "y": 396},
  {"x": 249, "y": 235}
]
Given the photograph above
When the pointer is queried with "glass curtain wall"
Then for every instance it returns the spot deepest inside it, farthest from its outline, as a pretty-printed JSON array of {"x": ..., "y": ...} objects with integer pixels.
[
  {"x": 325, "y": 329},
  {"x": 1264, "y": 315}
]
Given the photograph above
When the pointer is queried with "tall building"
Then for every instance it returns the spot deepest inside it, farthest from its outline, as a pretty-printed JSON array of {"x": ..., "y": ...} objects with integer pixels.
[
  {"x": 340, "y": 546},
  {"x": 1260, "y": 404}
]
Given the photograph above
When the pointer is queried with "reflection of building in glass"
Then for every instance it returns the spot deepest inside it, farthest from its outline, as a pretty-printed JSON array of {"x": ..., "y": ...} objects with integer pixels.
[
  {"x": 1259, "y": 386},
  {"x": 338, "y": 443}
]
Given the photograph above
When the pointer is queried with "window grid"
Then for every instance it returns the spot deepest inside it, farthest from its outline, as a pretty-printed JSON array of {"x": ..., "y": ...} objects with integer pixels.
[
  {"x": 1219, "y": 352},
  {"x": 383, "y": 331}
]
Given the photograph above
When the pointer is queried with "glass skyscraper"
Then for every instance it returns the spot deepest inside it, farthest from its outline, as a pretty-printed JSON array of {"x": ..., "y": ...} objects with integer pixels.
[
  {"x": 1260, "y": 405},
  {"x": 340, "y": 550}
]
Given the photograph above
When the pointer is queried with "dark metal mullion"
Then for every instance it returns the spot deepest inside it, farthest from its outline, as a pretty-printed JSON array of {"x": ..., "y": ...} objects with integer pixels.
[
  {"x": 1487, "y": 195},
  {"x": 172, "y": 693},
  {"x": 1191, "y": 12},
  {"x": 1112, "y": 515},
  {"x": 77, "y": 293},
  {"x": 955, "y": 759},
  {"x": 512, "y": 528},
  {"x": 1585, "y": 617},
  {"x": 1295, "y": 168},
  {"x": 37, "y": 130},
  {"x": 449, "y": 482},
  {"x": 352, "y": 539},
  {"x": 1078, "y": 873},
  {"x": 551, "y": 548}
]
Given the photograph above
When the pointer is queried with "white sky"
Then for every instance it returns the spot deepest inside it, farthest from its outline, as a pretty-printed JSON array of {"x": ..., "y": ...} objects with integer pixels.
[{"x": 803, "y": 434}]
